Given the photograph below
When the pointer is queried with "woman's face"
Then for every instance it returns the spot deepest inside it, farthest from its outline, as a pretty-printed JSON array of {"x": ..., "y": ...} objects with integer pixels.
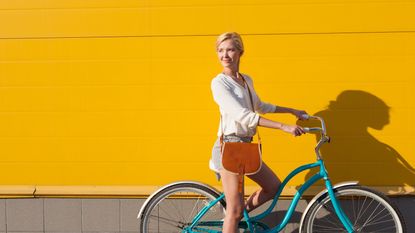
[{"x": 228, "y": 54}]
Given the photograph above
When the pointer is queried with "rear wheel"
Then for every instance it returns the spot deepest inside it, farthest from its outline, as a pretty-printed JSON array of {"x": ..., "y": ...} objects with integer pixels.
[
  {"x": 174, "y": 208},
  {"x": 368, "y": 211}
]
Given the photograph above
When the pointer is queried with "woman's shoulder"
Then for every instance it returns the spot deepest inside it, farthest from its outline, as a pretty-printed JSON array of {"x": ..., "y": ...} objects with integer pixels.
[{"x": 219, "y": 77}]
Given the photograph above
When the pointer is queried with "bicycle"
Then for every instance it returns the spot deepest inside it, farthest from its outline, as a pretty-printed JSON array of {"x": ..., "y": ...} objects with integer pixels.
[{"x": 193, "y": 207}]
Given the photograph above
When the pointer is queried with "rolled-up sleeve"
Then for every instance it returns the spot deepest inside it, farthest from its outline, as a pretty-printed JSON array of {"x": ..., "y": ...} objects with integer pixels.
[
  {"x": 260, "y": 107},
  {"x": 228, "y": 104},
  {"x": 265, "y": 107}
]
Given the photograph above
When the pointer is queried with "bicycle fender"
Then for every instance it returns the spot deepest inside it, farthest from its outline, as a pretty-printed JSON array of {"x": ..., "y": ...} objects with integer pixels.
[
  {"x": 316, "y": 197},
  {"x": 143, "y": 207}
]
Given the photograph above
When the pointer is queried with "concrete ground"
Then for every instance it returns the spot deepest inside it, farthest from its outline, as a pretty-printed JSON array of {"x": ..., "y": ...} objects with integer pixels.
[{"x": 53, "y": 215}]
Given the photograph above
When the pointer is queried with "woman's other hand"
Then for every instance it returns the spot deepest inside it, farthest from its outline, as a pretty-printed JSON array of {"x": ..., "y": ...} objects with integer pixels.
[
  {"x": 293, "y": 129},
  {"x": 300, "y": 114}
]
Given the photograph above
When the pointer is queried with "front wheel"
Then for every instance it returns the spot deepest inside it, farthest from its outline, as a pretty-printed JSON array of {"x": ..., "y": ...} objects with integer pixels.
[{"x": 368, "y": 211}]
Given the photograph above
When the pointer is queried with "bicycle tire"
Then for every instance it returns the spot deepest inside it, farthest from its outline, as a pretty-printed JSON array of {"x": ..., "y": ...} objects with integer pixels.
[
  {"x": 367, "y": 209},
  {"x": 173, "y": 208}
]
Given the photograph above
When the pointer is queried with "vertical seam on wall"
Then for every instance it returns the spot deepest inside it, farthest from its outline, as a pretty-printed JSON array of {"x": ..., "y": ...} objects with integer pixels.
[
  {"x": 5, "y": 212},
  {"x": 119, "y": 215},
  {"x": 43, "y": 211},
  {"x": 82, "y": 215}
]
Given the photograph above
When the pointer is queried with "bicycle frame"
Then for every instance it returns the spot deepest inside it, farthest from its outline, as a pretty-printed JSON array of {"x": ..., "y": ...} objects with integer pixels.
[
  {"x": 322, "y": 174},
  {"x": 251, "y": 221}
]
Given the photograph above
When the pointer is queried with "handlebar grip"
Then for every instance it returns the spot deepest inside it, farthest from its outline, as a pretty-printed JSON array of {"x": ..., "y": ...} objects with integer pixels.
[{"x": 311, "y": 129}]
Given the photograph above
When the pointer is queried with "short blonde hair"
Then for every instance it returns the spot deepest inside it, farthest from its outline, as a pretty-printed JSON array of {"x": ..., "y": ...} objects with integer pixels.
[{"x": 235, "y": 37}]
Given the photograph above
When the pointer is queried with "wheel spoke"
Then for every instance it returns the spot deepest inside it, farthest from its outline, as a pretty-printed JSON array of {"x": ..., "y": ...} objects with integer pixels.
[
  {"x": 173, "y": 209},
  {"x": 193, "y": 211},
  {"x": 366, "y": 209},
  {"x": 168, "y": 211},
  {"x": 166, "y": 220},
  {"x": 372, "y": 216}
]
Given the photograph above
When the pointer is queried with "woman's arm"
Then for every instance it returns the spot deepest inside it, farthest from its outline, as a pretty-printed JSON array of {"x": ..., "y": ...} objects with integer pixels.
[
  {"x": 298, "y": 113},
  {"x": 291, "y": 129}
]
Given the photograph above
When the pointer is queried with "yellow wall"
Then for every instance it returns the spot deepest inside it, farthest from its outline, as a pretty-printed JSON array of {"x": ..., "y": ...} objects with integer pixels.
[{"x": 117, "y": 92}]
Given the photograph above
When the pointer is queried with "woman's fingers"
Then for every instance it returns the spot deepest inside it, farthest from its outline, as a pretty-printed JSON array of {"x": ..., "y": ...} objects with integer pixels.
[
  {"x": 302, "y": 115},
  {"x": 298, "y": 131},
  {"x": 294, "y": 130}
]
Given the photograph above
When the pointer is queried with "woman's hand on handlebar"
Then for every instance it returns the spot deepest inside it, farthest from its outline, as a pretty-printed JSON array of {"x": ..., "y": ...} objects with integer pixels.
[
  {"x": 293, "y": 129},
  {"x": 300, "y": 114}
]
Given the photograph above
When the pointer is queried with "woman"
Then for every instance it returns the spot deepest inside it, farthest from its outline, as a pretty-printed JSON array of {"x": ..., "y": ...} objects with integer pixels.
[{"x": 238, "y": 124}]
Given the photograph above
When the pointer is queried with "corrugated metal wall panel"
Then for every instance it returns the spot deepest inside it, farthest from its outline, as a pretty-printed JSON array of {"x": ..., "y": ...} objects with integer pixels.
[{"x": 118, "y": 92}]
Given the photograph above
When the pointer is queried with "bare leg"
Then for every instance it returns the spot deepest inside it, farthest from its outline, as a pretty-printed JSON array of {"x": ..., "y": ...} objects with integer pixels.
[
  {"x": 234, "y": 202},
  {"x": 269, "y": 184}
]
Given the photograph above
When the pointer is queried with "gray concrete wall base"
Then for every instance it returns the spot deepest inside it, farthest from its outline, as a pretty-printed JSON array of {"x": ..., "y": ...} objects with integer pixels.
[{"x": 66, "y": 215}]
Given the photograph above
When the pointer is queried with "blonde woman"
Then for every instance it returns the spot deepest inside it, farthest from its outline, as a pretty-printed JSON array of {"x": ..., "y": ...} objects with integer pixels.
[{"x": 239, "y": 123}]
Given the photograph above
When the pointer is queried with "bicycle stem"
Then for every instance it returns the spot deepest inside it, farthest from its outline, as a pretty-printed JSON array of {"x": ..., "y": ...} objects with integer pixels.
[{"x": 323, "y": 138}]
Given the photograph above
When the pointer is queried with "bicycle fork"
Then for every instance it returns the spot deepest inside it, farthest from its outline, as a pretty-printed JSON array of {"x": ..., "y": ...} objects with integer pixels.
[{"x": 339, "y": 211}]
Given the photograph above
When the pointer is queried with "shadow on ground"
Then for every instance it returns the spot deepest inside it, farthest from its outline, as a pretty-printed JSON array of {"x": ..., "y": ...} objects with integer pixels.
[{"x": 406, "y": 204}]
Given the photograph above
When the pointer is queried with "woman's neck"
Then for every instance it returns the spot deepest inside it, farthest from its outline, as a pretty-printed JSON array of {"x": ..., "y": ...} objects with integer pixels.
[{"x": 233, "y": 73}]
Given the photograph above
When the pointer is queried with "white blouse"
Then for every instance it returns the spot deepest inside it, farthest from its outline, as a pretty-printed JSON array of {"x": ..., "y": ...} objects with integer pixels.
[{"x": 235, "y": 106}]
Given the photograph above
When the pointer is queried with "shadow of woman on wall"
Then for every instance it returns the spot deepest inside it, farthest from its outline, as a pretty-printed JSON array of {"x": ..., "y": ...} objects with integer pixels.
[{"x": 355, "y": 154}]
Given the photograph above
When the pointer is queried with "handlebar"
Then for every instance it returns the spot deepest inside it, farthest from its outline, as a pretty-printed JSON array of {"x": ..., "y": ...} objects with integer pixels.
[
  {"x": 315, "y": 129},
  {"x": 311, "y": 129}
]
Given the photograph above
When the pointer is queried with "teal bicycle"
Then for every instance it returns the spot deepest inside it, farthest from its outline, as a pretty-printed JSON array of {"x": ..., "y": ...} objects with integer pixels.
[{"x": 193, "y": 207}]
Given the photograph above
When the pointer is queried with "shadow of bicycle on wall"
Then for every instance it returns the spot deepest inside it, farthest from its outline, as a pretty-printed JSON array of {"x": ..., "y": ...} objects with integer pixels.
[{"x": 355, "y": 154}]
